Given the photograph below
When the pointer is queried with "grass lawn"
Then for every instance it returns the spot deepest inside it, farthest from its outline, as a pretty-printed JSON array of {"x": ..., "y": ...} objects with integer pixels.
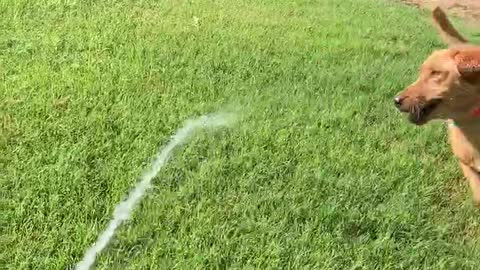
[{"x": 320, "y": 172}]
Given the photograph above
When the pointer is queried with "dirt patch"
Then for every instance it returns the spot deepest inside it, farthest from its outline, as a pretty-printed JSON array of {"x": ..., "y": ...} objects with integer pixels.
[{"x": 468, "y": 9}]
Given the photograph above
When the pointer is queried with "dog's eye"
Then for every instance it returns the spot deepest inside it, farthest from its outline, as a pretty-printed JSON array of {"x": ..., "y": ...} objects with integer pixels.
[{"x": 435, "y": 73}]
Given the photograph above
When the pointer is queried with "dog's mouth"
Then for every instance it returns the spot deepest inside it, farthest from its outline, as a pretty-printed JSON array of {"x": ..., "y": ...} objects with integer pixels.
[{"x": 419, "y": 113}]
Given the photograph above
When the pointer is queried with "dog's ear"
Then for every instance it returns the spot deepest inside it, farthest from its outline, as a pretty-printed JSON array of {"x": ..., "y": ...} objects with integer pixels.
[
  {"x": 468, "y": 63},
  {"x": 445, "y": 28}
]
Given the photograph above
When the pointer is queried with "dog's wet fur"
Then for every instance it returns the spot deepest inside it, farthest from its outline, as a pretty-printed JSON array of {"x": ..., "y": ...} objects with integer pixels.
[{"x": 448, "y": 88}]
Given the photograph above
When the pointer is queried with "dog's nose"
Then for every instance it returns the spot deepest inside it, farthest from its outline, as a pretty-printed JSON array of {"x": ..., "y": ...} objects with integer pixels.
[{"x": 398, "y": 101}]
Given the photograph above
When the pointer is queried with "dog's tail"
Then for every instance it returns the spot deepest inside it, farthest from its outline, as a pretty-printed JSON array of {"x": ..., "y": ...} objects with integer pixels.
[{"x": 448, "y": 33}]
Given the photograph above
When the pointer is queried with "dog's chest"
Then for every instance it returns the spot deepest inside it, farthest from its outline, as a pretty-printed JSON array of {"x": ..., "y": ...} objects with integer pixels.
[{"x": 465, "y": 149}]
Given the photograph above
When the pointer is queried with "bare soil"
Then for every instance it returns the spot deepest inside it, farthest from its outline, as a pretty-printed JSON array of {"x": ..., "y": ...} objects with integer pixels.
[{"x": 468, "y": 9}]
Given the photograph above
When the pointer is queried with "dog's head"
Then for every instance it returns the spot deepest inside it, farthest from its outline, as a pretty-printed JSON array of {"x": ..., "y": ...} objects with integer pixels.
[{"x": 448, "y": 86}]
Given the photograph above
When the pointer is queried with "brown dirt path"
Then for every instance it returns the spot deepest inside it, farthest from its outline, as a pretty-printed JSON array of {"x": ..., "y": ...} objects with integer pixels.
[{"x": 468, "y": 9}]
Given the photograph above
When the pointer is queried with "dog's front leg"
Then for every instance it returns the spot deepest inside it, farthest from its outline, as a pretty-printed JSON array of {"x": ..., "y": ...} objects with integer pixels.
[{"x": 473, "y": 178}]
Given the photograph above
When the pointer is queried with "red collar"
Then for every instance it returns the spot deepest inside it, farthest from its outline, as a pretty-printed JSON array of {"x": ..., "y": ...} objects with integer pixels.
[{"x": 476, "y": 112}]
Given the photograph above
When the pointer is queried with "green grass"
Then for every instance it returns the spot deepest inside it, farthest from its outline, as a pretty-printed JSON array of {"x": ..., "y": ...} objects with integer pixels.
[{"x": 320, "y": 172}]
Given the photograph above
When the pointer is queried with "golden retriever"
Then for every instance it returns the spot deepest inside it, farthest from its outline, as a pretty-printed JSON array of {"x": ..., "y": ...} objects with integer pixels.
[{"x": 448, "y": 88}]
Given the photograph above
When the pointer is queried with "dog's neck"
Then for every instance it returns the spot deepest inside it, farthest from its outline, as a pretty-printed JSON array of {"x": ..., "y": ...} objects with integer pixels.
[
  {"x": 470, "y": 127},
  {"x": 472, "y": 119}
]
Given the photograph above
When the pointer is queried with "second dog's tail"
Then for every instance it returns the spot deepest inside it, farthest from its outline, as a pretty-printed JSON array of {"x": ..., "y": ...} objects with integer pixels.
[{"x": 448, "y": 33}]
